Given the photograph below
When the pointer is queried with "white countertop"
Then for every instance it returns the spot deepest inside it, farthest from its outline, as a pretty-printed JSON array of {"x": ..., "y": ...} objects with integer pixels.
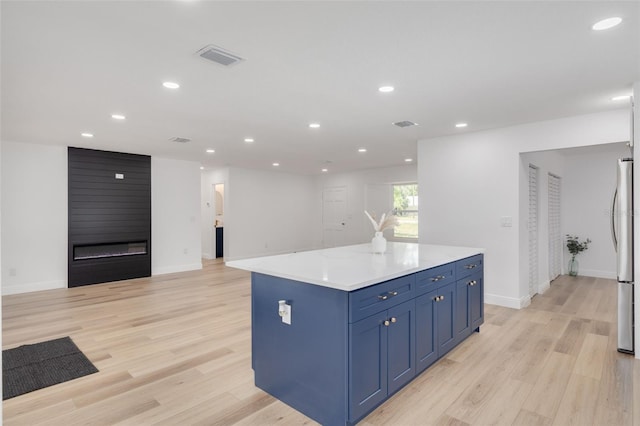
[{"x": 353, "y": 267}]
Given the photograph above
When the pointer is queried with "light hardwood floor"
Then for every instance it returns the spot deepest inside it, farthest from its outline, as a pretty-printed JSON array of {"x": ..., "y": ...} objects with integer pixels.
[{"x": 175, "y": 350}]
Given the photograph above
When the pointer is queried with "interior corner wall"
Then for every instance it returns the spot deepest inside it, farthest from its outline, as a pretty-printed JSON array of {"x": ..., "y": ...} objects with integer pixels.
[
  {"x": 358, "y": 183},
  {"x": 268, "y": 213},
  {"x": 588, "y": 185},
  {"x": 34, "y": 217},
  {"x": 468, "y": 182},
  {"x": 175, "y": 216}
]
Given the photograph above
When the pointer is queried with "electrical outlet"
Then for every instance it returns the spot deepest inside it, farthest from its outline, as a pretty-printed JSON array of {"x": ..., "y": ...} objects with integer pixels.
[{"x": 284, "y": 310}]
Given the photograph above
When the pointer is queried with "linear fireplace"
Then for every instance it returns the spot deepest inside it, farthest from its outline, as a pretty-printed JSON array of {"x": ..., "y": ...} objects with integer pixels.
[
  {"x": 109, "y": 216},
  {"x": 99, "y": 251}
]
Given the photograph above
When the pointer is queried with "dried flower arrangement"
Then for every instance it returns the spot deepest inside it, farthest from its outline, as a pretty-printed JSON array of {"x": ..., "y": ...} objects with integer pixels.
[{"x": 387, "y": 221}]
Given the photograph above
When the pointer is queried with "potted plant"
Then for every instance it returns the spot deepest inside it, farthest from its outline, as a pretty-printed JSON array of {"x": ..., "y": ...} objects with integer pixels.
[{"x": 575, "y": 246}]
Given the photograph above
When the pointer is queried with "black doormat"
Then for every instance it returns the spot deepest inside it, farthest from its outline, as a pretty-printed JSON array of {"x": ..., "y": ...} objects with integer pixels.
[{"x": 32, "y": 367}]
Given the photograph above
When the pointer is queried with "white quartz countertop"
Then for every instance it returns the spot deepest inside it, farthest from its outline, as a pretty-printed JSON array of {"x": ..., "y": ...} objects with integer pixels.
[{"x": 353, "y": 267}]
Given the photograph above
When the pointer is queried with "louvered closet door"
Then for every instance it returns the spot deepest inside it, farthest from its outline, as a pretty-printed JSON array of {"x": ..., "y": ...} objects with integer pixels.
[
  {"x": 533, "y": 230},
  {"x": 555, "y": 235}
]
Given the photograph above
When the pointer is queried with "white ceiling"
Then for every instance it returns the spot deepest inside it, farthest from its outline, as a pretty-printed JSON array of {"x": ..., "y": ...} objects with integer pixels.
[{"x": 67, "y": 66}]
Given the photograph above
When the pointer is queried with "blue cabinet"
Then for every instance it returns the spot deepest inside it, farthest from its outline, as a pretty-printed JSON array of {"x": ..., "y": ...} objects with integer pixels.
[
  {"x": 435, "y": 325},
  {"x": 382, "y": 357},
  {"x": 346, "y": 352}
]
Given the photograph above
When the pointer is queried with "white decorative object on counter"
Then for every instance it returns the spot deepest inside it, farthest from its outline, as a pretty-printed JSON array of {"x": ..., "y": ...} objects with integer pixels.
[{"x": 378, "y": 243}]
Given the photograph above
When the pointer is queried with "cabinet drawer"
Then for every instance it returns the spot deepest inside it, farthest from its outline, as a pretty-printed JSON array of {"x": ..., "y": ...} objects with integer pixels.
[
  {"x": 378, "y": 297},
  {"x": 434, "y": 278},
  {"x": 468, "y": 266}
]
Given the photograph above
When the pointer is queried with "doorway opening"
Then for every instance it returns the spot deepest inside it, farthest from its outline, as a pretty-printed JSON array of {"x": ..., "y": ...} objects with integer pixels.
[{"x": 218, "y": 219}]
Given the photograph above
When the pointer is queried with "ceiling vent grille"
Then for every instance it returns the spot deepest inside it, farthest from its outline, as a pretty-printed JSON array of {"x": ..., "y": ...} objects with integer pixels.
[
  {"x": 180, "y": 140},
  {"x": 219, "y": 55},
  {"x": 405, "y": 123}
]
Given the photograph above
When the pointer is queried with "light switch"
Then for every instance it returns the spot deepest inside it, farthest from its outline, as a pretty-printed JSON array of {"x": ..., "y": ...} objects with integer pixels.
[
  {"x": 119, "y": 175},
  {"x": 284, "y": 310},
  {"x": 506, "y": 221}
]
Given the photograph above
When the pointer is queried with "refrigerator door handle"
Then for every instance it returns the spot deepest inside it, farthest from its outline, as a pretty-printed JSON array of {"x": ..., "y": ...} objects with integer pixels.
[{"x": 613, "y": 221}]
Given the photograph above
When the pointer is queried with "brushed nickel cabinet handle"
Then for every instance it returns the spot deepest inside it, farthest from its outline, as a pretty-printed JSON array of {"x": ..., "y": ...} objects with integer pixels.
[
  {"x": 470, "y": 266},
  {"x": 438, "y": 278},
  {"x": 393, "y": 293},
  {"x": 386, "y": 323},
  {"x": 472, "y": 283},
  {"x": 394, "y": 319},
  {"x": 383, "y": 297}
]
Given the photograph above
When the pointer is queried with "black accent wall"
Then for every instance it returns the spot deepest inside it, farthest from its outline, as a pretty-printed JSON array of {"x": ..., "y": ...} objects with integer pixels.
[{"x": 109, "y": 216}]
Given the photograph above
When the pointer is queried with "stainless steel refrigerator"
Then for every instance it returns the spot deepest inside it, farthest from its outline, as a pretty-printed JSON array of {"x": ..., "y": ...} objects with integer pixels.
[{"x": 622, "y": 232}]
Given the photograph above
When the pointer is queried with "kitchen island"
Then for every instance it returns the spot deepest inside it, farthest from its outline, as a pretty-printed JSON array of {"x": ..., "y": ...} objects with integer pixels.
[{"x": 336, "y": 332}]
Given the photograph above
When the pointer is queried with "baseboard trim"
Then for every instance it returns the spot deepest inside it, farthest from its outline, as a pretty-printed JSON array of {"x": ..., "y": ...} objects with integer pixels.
[
  {"x": 598, "y": 274},
  {"x": 31, "y": 287},
  {"x": 507, "y": 302},
  {"x": 176, "y": 268},
  {"x": 208, "y": 256}
]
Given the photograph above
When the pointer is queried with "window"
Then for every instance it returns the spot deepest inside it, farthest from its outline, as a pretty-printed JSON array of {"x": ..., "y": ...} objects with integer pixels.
[{"x": 405, "y": 207}]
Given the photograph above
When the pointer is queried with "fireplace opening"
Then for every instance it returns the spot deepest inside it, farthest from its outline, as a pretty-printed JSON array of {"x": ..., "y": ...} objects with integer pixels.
[{"x": 98, "y": 251}]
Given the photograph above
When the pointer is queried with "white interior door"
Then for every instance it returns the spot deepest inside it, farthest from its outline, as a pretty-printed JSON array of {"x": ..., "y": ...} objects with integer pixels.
[
  {"x": 334, "y": 216},
  {"x": 555, "y": 234},
  {"x": 533, "y": 230}
]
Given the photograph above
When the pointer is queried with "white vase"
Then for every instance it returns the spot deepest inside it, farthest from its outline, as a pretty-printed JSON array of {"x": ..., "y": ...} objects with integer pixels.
[{"x": 378, "y": 243}]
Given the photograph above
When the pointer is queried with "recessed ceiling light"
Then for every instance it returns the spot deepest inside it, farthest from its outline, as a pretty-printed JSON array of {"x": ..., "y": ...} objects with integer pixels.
[
  {"x": 249, "y": 140},
  {"x": 87, "y": 135},
  {"x": 118, "y": 116},
  {"x": 460, "y": 125},
  {"x": 211, "y": 151},
  {"x": 362, "y": 149},
  {"x": 621, "y": 98},
  {"x": 275, "y": 164},
  {"x": 386, "y": 89},
  {"x": 314, "y": 125},
  {"x": 201, "y": 167},
  {"x": 171, "y": 85},
  {"x": 408, "y": 160},
  {"x": 605, "y": 24},
  {"x": 325, "y": 170}
]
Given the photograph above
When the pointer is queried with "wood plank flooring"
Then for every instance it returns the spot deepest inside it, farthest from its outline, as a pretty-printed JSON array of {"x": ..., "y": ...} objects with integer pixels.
[{"x": 175, "y": 350}]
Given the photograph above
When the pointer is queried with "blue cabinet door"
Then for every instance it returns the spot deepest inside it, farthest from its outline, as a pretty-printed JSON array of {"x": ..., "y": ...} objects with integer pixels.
[
  {"x": 445, "y": 318},
  {"x": 367, "y": 364},
  {"x": 476, "y": 301},
  {"x": 462, "y": 320},
  {"x": 401, "y": 354},
  {"x": 426, "y": 339}
]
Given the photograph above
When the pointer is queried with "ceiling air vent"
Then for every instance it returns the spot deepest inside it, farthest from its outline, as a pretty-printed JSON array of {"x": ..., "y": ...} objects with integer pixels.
[
  {"x": 405, "y": 123},
  {"x": 180, "y": 140},
  {"x": 219, "y": 55}
]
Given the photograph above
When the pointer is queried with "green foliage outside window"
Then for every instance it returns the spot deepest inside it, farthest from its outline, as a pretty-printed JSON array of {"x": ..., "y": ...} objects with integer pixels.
[{"x": 405, "y": 207}]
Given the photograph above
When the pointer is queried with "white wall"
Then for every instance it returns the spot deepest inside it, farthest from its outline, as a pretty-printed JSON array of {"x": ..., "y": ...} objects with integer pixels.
[
  {"x": 547, "y": 162},
  {"x": 467, "y": 182},
  {"x": 208, "y": 208},
  {"x": 269, "y": 213},
  {"x": 363, "y": 190},
  {"x": 175, "y": 216},
  {"x": 34, "y": 217},
  {"x": 586, "y": 205}
]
